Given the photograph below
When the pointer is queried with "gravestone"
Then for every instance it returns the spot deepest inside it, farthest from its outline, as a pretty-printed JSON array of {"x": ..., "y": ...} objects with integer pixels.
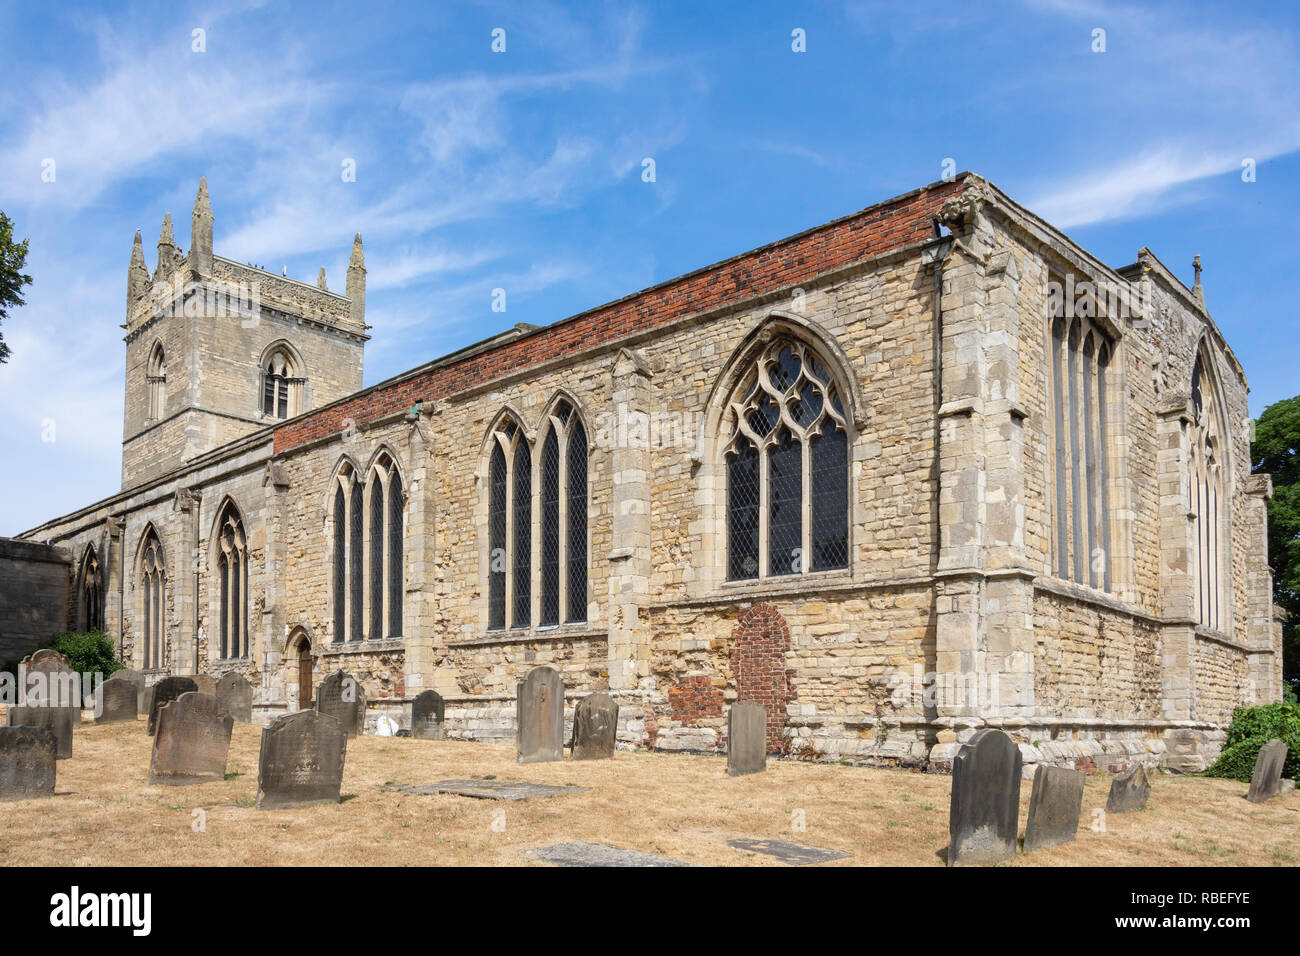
[
  {"x": 57, "y": 720},
  {"x": 206, "y": 683},
  {"x": 427, "y": 713},
  {"x": 164, "y": 692},
  {"x": 539, "y": 717},
  {"x": 116, "y": 700},
  {"x": 985, "y": 808},
  {"x": 595, "y": 727},
  {"x": 192, "y": 742},
  {"x": 1129, "y": 791},
  {"x": 136, "y": 679},
  {"x": 1266, "y": 781},
  {"x": 579, "y": 853},
  {"x": 494, "y": 789},
  {"x": 46, "y": 654},
  {"x": 746, "y": 738},
  {"x": 789, "y": 853},
  {"x": 340, "y": 696},
  {"x": 235, "y": 697},
  {"x": 51, "y": 681},
  {"x": 301, "y": 763},
  {"x": 27, "y": 756},
  {"x": 1054, "y": 807}
]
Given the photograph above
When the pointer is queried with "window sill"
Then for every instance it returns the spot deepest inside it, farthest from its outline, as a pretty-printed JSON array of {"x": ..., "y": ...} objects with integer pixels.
[
  {"x": 344, "y": 648},
  {"x": 785, "y": 584},
  {"x": 561, "y": 632}
]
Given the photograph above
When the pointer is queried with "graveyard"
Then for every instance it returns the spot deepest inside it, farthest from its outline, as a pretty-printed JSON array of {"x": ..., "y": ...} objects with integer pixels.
[{"x": 679, "y": 807}]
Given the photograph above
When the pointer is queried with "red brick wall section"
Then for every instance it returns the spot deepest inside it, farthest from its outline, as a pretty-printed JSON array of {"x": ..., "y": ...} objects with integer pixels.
[
  {"x": 903, "y": 221},
  {"x": 758, "y": 648},
  {"x": 693, "y": 699}
]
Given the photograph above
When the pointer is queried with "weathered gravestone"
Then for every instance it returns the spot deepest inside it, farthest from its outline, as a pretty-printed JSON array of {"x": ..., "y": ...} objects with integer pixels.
[
  {"x": 539, "y": 716},
  {"x": 136, "y": 679},
  {"x": 595, "y": 727},
  {"x": 427, "y": 713},
  {"x": 301, "y": 761},
  {"x": 1129, "y": 791},
  {"x": 746, "y": 738},
  {"x": 46, "y": 654},
  {"x": 206, "y": 683},
  {"x": 27, "y": 756},
  {"x": 235, "y": 697},
  {"x": 340, "y": 696},
  {"x": 985, "y": 808},
  {"x": 57, "y": 720},
  {"x": 192, "y": 741},
  {"x": 116, "y": 700},
  {"x": 164, "y": 692},
  {"x": 1266, "y": 781},
  {"x": 51, "y": 682},
  {"x": 1054, "y": 807}
]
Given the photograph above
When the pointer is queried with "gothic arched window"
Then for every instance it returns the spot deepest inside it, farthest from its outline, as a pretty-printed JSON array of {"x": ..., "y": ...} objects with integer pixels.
[
  {"x": 90, "y": 592},
  {"x": 786, "y": 454},
  {"x": 156, "y": 382},
  {"x": 231, "y": 551},
  {"x": 1207, "y": 454},
  {"x": 153, "y": 602},
  {"x": 346, "y": 523},
  {"x": 563, "y": 510},
  {"x": 1080, "y": 360},
  {"x": 510, "y": 528},
  {"x": 385, "y": 508},
  {"x": 282, "y": 383}
]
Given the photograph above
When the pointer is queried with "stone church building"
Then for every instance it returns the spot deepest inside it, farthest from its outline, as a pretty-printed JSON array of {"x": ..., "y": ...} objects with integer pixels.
[{"x": 923, "y": 469}]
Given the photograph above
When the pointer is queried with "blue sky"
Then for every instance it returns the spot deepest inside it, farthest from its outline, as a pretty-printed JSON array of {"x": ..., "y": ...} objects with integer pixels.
[{"x": 523, "y": 170}]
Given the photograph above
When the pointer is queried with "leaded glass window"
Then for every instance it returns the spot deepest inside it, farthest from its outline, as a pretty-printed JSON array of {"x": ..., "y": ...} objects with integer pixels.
[
  {"x": 153, "y": 575},
  {"x": 1208, "y": 508},
  {"x": 497, "y": 540},
  {"x": 385, "y": 573},
  {"x": 786, "y": 467},
  {"x": 232, "y": 573}
]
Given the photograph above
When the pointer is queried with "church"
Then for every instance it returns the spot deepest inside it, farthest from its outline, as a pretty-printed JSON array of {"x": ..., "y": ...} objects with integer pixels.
[{"x": 924, "y": 469}]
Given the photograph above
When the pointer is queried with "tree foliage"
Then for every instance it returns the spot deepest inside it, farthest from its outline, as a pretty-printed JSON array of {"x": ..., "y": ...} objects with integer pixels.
[
  {"x": 1276, "y": 450},
  {"x": 13, "y": 256}
]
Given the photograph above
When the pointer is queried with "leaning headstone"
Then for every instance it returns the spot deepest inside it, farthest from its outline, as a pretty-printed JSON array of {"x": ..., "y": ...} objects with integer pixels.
[
  {"x": 164, "y": 692},
  {"x": 27, "y": 756},
  {"x": 1129, "y": 791},
  {"x": 427, "y": 713},
  {"x": 1054, "y": 807},
  {"x": 301, "y": 762},
  {"x": 57, "y": 720},
  {"x": 595, "y": 727},
  {"x": 1266, "y": 781},
  {"x": 985, "y": 808},
  {"x": 539, "y": 716},
  {"x": 746, "y": 738},
  {"x": 192, "y": 742},
  {"x": 235, "y": 697},
  {"x": 136, "y": 679},
  {"x": 340, "y": 696},
  {"x": 206, "y": 683},
  {"x": 116, "y": 700}
]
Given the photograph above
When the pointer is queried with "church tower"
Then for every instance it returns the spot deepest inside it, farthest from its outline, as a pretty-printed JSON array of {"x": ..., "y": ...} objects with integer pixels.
[{"x": 216, "y": 349}]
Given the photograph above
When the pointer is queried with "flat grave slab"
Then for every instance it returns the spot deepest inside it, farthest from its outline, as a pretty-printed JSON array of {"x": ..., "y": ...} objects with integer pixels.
[
  {"x": 791, "y": 853},
  {"x": 494, "y": 789},
  {"x": 599, "y": 854}
]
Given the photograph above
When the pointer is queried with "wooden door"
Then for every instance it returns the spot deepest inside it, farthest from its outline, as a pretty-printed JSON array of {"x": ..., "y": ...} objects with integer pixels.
[{"x": 304, "y": 677}]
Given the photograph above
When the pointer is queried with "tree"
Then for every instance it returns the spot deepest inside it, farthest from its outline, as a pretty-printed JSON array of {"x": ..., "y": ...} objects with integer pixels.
[
  {"x": 13, "y": 256},
  {"x": 1276, "y": 450}
]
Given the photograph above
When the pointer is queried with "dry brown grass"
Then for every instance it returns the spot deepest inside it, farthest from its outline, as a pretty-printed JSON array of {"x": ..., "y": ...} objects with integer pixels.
[{"x": 680, "y": 806}]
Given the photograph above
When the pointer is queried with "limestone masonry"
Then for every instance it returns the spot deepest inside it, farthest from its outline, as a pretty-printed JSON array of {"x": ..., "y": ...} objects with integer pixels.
[{"x": 923, "y": 470}]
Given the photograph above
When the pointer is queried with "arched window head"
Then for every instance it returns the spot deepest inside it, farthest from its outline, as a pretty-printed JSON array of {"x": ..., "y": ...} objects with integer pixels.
[
  {"x": 385, "y": 506},
  {"x": 510, "y": 526},
  {"x": 90, "y": 592},
  {"x": 562, "y": 503},
  {"x": 1209, "y": 500},
  {"x": 346, "y": 525},
  {"x": 785, "y": 444},
  {"x": 231, "y": 563},
  {"x": 156, "y": 382},
  {"x": 283, "y": 381},
  {"x": 152, "y": 602}
]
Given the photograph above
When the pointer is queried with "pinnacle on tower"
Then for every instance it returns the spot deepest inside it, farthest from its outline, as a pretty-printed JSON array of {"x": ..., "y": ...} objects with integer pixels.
[
  {"x": 320, "y": 280},
  {"x": 1197, "y": 292},
  {"x": 201, "y": 232},
  {"x": 356, "y": 284},
  {"x": 137, "y": 274},
  {"x": 168, "y": 253}
]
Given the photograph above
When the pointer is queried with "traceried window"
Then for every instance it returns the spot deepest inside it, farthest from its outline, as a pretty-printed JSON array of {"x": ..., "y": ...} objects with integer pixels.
[
  {"x": 786, "y": 457},
  {"x": 90, "y": 593},
  {"x": 347, "y": 564},
  {"x": 385, "y": 579},
  {"x": 231, "y": 547},
  {"x": 1208, "y": 504},
  {"x": 282, "y": 384},
  {"x": 153, "y": 602},
  {"x": 1080, "y": 363},
  {"x": 558, "y": 503},
  {"x": 156, "y": 382}
]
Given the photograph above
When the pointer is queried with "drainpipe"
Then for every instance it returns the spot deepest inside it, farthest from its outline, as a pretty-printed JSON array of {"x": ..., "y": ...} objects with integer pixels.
[{"x": 936, "y": 252}]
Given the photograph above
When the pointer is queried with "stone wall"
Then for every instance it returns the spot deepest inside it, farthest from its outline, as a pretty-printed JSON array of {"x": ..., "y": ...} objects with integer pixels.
[{"x": 35, "y": 596}]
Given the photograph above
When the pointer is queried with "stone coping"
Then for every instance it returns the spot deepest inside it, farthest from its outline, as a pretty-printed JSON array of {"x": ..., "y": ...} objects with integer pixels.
[{"x": 527, "y": 635}]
